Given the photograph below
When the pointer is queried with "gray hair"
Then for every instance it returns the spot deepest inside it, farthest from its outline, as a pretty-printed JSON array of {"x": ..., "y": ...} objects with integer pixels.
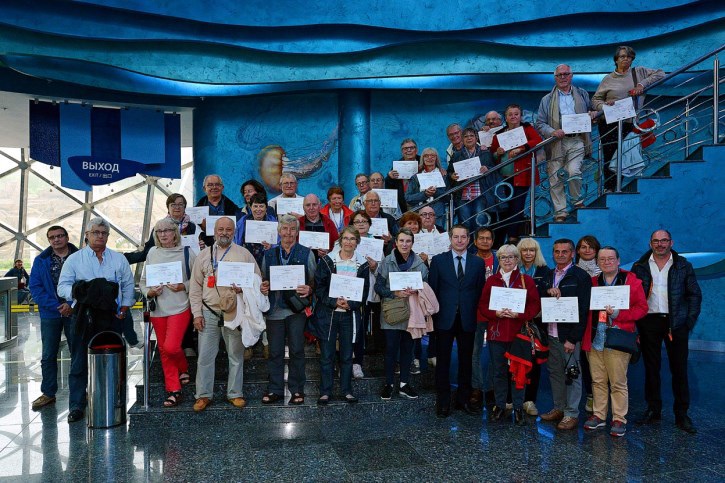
[
  {"x": 429, "y": 151},
  {"x": 288, "y": 176},
  {"x": 508, "y": 250},
  {"x": 287, "y": 219},
  {"x": 455, "y": 124},
  {"x": 165, "y": 224},
  {"x": 203, "y": 183},
  {"x": 408, "y": 140},
  {"x": 560, "y": 65},
  {"x": 97, "y": 221},
  {"x": 365, "y": 196}
]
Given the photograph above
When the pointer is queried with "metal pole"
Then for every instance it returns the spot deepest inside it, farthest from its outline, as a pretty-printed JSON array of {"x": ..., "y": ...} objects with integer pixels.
[
  {"x": 450, "y": 212},
  {"x": 146, "y": 339},
  {"x": 532, "y": 189},
  {"x": 687, "y": 128},
  {"x": 715, "y": 95},
  {"x": 619, "y": 156},
  {"x": 600, "y": 167}
]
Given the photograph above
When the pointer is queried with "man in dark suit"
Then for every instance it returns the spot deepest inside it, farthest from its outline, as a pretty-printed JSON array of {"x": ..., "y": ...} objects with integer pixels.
[{"x": 457, "y": 278}]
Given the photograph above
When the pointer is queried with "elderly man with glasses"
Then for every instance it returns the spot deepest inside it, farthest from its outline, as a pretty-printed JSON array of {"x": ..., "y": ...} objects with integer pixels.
[
  {"x": 363, "y": 186},
  {"x": 288, "y": 185},
  {"x": 217, "y": 202}
]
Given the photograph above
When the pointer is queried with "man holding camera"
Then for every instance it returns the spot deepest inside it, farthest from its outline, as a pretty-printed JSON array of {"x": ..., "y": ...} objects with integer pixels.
[{"x": 567, "y": 280}]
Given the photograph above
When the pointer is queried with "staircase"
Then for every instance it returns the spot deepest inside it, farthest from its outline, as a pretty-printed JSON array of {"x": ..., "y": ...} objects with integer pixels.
[{"x": 255, "y": 383}]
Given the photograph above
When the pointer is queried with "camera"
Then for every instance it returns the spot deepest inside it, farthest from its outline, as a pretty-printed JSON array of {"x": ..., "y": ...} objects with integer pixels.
[{"x": 572, "y": 372}]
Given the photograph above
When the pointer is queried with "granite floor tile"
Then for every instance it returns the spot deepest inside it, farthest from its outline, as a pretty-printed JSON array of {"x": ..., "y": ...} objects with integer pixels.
[
  {"x": 695, "y": 475},
  {"x": 282, "y": 434},
  {"x": 377, "y": 454}
]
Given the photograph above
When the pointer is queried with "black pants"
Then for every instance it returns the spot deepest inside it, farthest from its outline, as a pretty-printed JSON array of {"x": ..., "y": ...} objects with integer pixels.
[
  {"x": 608, "y": 134},
  {"x": 377, "y": 337},
  {"x": 654, "y": 329},
  {"x": 443, "y": 362}
]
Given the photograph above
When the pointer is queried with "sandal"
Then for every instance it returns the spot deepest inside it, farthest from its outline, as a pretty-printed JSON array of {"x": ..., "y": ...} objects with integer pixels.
[
  {"x": 173, "y": 399},
  {"x": 184, "y": 378},
  {"x": 271, "y": 398},
  {"x": 323, "y": 400},
  {"x": 297, "y": 399}
]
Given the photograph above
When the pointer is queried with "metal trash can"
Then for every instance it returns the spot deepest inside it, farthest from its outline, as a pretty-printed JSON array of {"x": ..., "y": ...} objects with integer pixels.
[{"x": 106, "y": 380}]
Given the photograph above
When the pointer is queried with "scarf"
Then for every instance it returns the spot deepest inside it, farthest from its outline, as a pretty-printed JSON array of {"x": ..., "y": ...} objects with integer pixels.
[
  {"x": 183, "y": 224},
  {"x": 403, "y": 264},
  {"x": 554, "y": 150}
]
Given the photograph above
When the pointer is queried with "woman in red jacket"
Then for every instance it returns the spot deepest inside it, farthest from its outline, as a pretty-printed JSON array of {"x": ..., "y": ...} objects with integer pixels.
[
  {"x": 504, "y": 325},
  {"x": 519, "y": 175},
  {"x": 609, "y": 366}
]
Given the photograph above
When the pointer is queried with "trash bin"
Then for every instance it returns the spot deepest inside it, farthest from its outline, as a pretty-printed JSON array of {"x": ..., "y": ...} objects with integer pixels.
[{"x": 106, "y": 380}]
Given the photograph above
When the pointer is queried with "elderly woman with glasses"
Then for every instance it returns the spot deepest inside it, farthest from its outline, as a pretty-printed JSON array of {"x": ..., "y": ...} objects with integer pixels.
[
  {"x": 504, "y": 324},
  {"x": 416, "y": 194},
  {"x": 169, "y": 306}
]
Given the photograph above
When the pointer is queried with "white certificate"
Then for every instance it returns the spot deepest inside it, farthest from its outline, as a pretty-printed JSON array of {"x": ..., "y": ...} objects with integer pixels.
[
  {"x": 486, "y": 137},
  {"x": 388, "y": 198},
  {"x": 290, "y": 205},
  {"x": 197, "y": 213},
  {"x": 286, "y": 277},
  {"x": 240, "y": 274},
  {"x": 405, "y": 169},
  {"x": 349, "y": 288},
  {"x": 508, "y": 298},
  {"x": 468, "y": 168},
  {"x": 260, "y": 231},
  {"x": 434, "y": 178},
  {"x": 379, "y": 227},
  {"x": 191, "y": 241},
  {"x": 622, "y": 109},
  {"x": 616, "y": 296},
  {"x": 211, "y": 222},
  {"x": 403, "y": 280},
  {"x": 576, "y": 123},
  {"x": 432, "y": 243},
  {"x": 371, "y": 247},
  {"x": 514, "y": 138},
  {"x": 315, "y": 239},
  {"x": 163, "y": 273},
  {"x": 564, "y": 310}
]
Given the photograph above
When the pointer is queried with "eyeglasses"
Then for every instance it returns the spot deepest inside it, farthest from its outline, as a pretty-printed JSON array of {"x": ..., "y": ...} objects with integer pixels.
[
  {"x": 214, "y": 185},
  {"x": 562, "y": 75},
  {"x": 427, "y": 215},
  {"x": 360, "y": 222},
  {"x": 349, "y": 238},
  {"x": 608, "y": 260},
  {"x": 429, "y": 156},
  {"x": 288, "y": 183},
  {"x": 177, "y": 205},
  {"x": 98, "y": 233},
  {"x": 362, "y": 183},
  {"x": 663, "y": 241},
  {"x": 507, "y": 257},
  {"x": 408, "y": 148},
  {"x": 166, "y": 230},
  {"x": 372, "y": 201},
  {"x": 56, "y": 237}
]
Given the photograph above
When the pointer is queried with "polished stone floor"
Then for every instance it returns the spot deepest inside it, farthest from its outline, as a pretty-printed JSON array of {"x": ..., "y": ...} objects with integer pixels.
[{"x": 412, "y": 446}]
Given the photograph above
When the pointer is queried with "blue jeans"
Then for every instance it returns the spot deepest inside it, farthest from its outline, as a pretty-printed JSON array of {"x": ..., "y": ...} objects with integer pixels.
[
  {"x": 341, "y": 327},
  {"x": 128, "y": 331},
  {"x": 469, "y": 209},
  {"x": 50, "y": 330}
]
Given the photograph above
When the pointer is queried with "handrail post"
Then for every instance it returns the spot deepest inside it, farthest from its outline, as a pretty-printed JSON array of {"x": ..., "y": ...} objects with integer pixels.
[
  {"x": 687, "y": 128},
  {"x": 451, "y": 211},
  {"x": 146, "y": 339},
  {"x": 532, "y": 189},
  {"x": 619, "y": 156},
  {"x": 600, "y": 167},
  {"x": 715, "y": 106}
]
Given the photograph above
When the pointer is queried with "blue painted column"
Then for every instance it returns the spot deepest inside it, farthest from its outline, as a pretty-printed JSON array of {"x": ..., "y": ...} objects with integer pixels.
[{"x": 354, "y": 139}]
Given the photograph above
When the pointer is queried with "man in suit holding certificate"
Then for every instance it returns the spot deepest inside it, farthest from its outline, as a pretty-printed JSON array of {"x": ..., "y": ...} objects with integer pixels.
[{"x": 456, "y": 277}]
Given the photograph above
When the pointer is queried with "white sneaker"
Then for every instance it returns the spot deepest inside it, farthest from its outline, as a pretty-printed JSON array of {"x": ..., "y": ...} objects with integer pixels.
[
  {"x": 415, "y": 367},
  {"x": 530, "y": 408},
  {"x": 589, "y": 406},
  {"x": 357, "y": 371},
  {"x": 432, "y": 361}
]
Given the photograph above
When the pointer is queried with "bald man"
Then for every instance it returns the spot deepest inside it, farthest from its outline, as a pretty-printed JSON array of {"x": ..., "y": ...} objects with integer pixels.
[{"x": 313, "y": 220}]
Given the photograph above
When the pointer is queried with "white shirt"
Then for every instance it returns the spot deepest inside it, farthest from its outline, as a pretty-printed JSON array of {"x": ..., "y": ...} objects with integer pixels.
[{"x": 657, "y": 300}]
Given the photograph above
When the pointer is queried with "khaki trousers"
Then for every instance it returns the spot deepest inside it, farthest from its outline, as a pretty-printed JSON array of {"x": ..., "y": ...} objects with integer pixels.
[{"x": 609, "y": 367}]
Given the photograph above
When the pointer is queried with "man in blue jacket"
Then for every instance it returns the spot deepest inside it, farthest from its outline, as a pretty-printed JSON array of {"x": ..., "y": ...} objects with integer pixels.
[
  {"x": 55, "y": 312},
  {"x": 674, "y": 299}
]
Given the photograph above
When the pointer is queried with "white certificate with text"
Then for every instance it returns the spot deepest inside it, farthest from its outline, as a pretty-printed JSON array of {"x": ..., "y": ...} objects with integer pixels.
[
  {"x": 370, "y": 247},
  {"x": 260, "y": 231},
  {"x": 434, "y": 178},
  {"x": 617, "y": 296},
  {"x": 576, "y": 123},
  {"x": 163, "y": 274},
  {"x": 564, "y": 310},
  {"x": 486, "y": 137},
  {"x": 468, "y": 168},
  {"x": 315, "y": 239},
  {"x": 403, "y": 280},
  {"x": 240, "y": 274},
  {"x": 388, "y": 198},
  {"x": 379, "y": 227},
  {"x": 431, "y": 243},
  {"x": 197, "y": 214},
  {"x": 211, "y": 223},
  {"x": 286, "y": 277},
  {"x": 508, "y": 298},
  {"x": 290, "y": 205},
  {"x": 621, "y": 110},
  {"x": 349, "y": 288},
  {"x": 191, "y": 241},
  {"x": 405, "y": 169},
  {"x": 512, "y": 139}
]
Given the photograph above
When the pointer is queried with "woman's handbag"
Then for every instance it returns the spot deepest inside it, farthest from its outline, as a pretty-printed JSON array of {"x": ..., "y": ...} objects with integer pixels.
[
  {"x": 296, "y": 303},
  {"x": 621, "y": 340},
  {"x": 396, "y": 310}
]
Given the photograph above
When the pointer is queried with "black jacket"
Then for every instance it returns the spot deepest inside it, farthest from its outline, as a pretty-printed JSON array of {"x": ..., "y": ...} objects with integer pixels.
[
  {"x": 575, "y": 283},
  {"x": 230, "y": 209},
  {"x": 683, "y": 292},
  {"x": 95, "y": 308}
]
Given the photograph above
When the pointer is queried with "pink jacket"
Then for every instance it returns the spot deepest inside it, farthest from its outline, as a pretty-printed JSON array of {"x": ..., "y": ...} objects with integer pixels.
[{"x": 422, "y": 307}]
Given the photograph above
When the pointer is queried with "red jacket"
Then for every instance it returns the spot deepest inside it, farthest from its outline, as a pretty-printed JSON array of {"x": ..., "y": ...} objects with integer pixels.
[
  {"x": 346, "y": 214},
  {"x": 522, "y": 175},
  {"x": 626, "y": 318},
  {"x": 504, "y": 329},
  {"x": 329, "y": 227}
]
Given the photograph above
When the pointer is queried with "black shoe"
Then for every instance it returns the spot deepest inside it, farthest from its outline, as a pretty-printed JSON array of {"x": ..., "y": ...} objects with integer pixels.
[
  {"x": 75, "y": 415},
  {"x": 443, "y": 410},
  {"x": 467, "y": 408},
  {"x": 408, "y": 392},
  {"x": 387, "y": 392},
  {"x": 685, "y": 424},
  {"x": 496, "y": 414},
  {"x": 649, "y": 416},
  {"x": 519, "y": 417}
]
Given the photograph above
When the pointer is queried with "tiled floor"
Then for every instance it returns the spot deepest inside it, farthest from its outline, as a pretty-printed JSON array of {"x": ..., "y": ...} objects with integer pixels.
[{"x": 414, "y": 446}]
